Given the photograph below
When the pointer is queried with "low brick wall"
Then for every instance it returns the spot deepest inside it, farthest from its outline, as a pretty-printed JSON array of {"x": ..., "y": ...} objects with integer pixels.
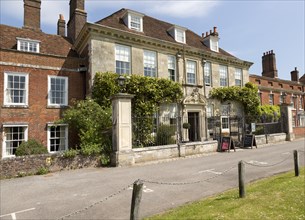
[
  {"x": 299, "y": 132},
  {"x": 27, "y": 165},
  {"x": 147, "y": 154},
  {"x": 270, "y": 138}
]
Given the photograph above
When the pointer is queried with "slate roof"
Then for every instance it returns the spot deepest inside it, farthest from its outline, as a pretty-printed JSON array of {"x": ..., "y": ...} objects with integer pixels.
[
  {"x": 49, "y": 44},
  {"x": 156, "y": 29}
]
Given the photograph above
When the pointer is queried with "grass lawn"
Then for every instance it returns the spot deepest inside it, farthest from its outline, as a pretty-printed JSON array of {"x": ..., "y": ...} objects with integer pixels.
[{"x": 278, "y": 197}]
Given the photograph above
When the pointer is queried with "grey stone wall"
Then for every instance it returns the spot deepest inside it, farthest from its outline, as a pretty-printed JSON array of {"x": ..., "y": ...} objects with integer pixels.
[{"x": 29, "y": 165}]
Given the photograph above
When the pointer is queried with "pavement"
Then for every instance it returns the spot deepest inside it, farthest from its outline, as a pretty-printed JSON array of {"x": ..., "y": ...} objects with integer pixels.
[{"x": 105, "y": 193}]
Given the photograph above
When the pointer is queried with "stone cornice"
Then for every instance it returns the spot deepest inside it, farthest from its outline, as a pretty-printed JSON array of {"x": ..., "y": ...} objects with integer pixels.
[
  {"x": 279, "y": 90},
  {"x": 39, "y": 67},
  {"x": 276, "y": 80},
  {"x": 91, "y": 30},
  {"x": 39, "y": 54}
]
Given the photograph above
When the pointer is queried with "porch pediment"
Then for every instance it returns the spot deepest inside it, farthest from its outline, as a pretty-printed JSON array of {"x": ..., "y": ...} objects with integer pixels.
[{"x": 196, "y": 98}]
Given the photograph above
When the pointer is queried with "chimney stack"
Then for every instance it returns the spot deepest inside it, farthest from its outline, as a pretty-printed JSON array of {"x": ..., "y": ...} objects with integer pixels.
[
  {"x": 61, "y": 26},
  {"x": 269, "y": 65},
  {"x": 78, "y": 18},
  {"x": 295, "y": 75},
  {"x": 31, "y": 17}
]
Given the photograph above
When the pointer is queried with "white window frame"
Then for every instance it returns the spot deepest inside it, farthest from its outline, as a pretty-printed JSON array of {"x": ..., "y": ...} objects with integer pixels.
[
  {"x": 191, "y": 72},
  {"x": 180, "y": 35},
  {"x": 271, "y": 99},
  {"x": 134, "y": 21},
  {"x": 6, "y": 99},
  {"x": 65, "y": 103},
  {"x": 122, "y": 54},
  {"x": 208, "y": 74},
  {"x": 300, "y": 102},
  {"x": 214, "y": 44},
  {"x": 8, "y": 126},
  {"x": 238, "y": 77},
  {"x": 281, "y": 98},
  {"x": 171, "y": 65},
  {"x": 209, "y": 111},
  {"x": 226, "y": 129},
  {"x": 65, "y": 126},
  {"x": 223, "y": 76},
  {"x": 150, "y": 62},
  {"x": 28, "y": 45}
]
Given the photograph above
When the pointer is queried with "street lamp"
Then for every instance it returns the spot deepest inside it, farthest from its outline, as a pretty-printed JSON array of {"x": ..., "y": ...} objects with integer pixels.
[{"x": 121, "y": 82}]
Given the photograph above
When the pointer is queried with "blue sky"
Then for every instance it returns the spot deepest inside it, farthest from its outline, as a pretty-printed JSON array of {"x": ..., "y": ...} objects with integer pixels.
[{"x": 246, "y": 29}]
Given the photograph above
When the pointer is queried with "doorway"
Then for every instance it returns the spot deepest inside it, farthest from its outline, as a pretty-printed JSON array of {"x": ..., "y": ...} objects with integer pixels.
[{"x": 194, "y": 132}]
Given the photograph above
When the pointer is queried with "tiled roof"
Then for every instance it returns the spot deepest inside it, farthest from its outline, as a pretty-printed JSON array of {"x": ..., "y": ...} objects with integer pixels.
[
  {"x": 302, "y": 79},
  {"x": 49, "y": 44},
  {"x": 156, "y": 29}
]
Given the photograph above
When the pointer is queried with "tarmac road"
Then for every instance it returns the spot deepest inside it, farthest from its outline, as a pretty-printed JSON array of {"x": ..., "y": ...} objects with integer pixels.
[{"x": 105, "y": 193}]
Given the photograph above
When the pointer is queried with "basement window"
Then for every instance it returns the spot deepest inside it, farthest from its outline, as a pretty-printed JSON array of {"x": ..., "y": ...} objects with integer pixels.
[{"x": 28, "y": 45}]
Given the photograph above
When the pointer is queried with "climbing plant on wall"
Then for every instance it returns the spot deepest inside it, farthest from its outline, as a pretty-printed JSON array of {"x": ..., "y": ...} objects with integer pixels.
[
  {"x": 149, "y": 92},
  {"x": 246, "y": 95}
]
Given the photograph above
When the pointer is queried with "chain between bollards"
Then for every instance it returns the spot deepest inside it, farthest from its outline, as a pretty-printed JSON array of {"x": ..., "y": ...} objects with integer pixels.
[{"x": 241, "y": 179}]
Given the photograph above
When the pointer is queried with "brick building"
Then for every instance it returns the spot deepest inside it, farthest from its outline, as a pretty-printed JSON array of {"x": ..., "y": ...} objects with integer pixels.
[
  {"x": 39, "y": 76},
  {"x": 41, "y": 73},
  {"x": 275, "y": 91}
]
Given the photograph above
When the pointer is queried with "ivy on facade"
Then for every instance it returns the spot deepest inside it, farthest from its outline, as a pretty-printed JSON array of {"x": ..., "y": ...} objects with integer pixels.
[
  {"x": 246, "y": 95},
  {"x": 149, "y": 92}
]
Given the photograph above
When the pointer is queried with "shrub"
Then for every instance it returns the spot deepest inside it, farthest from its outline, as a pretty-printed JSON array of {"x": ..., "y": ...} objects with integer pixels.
[
  {"x": 70, "y": 153},
  {"x": 92, "y": 123},
  {"x": 31, "y": 147},
  {"x": 165, "y": 135},
  {"x": 42, "y": 171}
]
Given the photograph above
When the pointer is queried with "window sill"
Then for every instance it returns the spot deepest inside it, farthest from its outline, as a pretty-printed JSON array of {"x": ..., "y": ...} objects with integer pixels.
[
  {"x": 57, "y": 106},
  {"x": 15, "y": 106},
  {"x": 192, "y": 85}
]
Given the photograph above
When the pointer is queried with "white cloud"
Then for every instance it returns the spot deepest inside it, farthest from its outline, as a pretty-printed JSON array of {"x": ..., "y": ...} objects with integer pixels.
[
  {"x": 172, "y": 8},
  {"x": 50, "y": 10},
  {"x": 183, "y": 9}
]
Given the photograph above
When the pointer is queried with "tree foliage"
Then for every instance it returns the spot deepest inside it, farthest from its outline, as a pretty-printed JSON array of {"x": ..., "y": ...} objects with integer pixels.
[
  {"x": 246, "y": 95},
  {"x": 269, "y": 113}
]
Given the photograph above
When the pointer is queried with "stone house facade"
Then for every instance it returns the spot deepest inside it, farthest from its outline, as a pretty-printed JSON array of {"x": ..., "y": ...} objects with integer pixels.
[
  {"x": 275, "y": 91},
  {"x": 130, "y": 42},
  {"x": 41, "y": 73}
]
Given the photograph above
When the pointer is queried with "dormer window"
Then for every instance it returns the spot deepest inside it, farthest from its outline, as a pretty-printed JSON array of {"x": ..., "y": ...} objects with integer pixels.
[
  {"x": 180, "y": 36},
  {"x": 28, "y": 45},
  {"x": 211, "y": 40},
  {"x": 214, "y": 44},
  {"x": 134, "y": 20},
  {"x": 178, "y": 33},
  {"x": 135, "y": 23}
]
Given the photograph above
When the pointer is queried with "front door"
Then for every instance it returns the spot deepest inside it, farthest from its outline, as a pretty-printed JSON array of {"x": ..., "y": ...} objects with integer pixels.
[{"x": 194, "y": 132}]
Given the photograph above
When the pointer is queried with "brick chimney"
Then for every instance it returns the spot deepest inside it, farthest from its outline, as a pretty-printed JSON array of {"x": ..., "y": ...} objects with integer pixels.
[
  {"x": 269, "y": 65},
  {"x": 32, "y": 14},
  {"x": 295, "y": 75},
  {"x": 61, "y": 26},
  {"x": 78, "y": 18}
]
